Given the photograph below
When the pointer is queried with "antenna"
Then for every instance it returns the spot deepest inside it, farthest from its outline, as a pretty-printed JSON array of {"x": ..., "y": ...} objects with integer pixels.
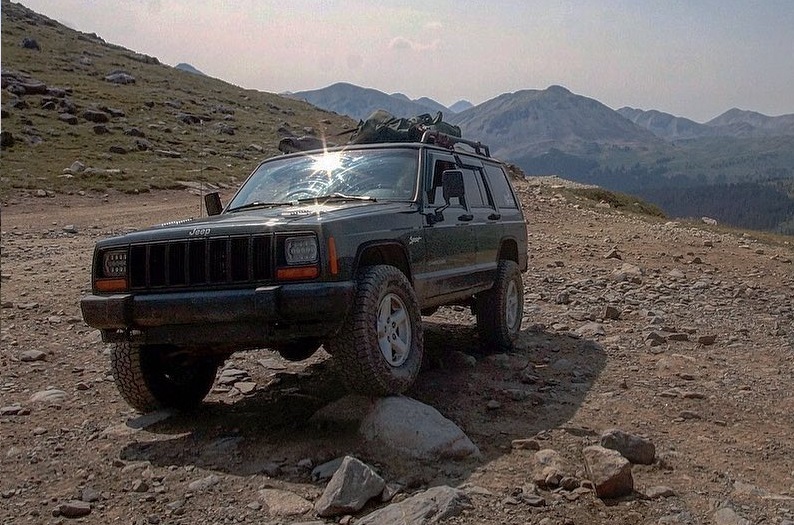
[{"x": 202, "y": 170}]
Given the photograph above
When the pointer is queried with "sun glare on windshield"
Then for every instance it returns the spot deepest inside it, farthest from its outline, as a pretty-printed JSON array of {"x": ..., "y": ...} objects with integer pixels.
[{"x": 328, "y": 162}]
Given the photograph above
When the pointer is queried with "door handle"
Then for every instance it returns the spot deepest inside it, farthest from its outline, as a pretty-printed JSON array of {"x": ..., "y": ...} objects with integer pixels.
[
  {"x": 466, "y": 217},
  {"x": 494, "y": 216}
]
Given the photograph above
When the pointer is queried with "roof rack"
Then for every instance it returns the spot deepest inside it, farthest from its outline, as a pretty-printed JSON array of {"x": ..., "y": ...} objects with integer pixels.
[{"x": 448, "y": 141}]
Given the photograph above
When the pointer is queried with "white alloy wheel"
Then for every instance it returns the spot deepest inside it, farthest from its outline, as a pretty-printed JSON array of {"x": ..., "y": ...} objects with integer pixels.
[{"x": 394, "y": 330}]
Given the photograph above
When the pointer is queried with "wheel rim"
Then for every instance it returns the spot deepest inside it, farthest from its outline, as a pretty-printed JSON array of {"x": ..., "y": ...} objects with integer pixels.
[
  {"x": 394, "y": 330},
  {"x": 511, "y": 305}
]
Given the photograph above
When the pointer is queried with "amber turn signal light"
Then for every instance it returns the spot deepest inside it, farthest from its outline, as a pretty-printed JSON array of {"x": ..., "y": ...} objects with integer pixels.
[{"x": 110, "y": 285}]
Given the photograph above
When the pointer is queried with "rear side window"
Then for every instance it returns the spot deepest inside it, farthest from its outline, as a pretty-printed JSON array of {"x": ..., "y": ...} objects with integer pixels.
[{"x": 500, "y": 187}]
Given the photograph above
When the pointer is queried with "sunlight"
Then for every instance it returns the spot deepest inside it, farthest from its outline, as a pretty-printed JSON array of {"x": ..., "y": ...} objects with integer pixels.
[{"x": 328, "y": 162}]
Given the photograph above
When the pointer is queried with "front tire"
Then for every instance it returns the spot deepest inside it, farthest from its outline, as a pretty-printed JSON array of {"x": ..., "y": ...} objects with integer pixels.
[
  {"x": 379, "y": 348},
  {"x": 500, "y": 309},
  {"x": 150, "y": 377}
]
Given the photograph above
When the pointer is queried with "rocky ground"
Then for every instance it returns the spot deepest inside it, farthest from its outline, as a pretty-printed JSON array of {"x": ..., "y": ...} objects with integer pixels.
[{"x": 678, "y": 335}]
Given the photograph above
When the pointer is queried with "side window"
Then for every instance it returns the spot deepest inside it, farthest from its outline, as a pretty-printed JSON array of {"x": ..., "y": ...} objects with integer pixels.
[
  {"x": 474, "y": 192},
  {"x": 500, "y": 187}
]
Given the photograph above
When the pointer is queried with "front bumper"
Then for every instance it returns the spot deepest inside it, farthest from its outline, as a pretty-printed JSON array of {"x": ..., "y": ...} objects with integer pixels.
[{"x": 248, "y": 317}]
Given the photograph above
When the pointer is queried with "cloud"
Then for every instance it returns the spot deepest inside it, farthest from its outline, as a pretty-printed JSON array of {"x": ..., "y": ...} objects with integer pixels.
[{"x": 400, "y": 43}]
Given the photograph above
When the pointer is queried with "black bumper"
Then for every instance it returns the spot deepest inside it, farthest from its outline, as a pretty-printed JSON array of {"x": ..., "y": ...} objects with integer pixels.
[{"x": 248, "y": 317}]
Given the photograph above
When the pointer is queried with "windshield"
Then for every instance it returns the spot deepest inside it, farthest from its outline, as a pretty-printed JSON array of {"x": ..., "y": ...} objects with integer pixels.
[{"x": 379, "y": 175}]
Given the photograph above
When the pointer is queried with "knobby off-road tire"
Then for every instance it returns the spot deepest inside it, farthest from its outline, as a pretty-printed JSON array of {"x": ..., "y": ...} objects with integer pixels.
[
  {"x": 299, "y": 350},
  {"x": 378, "y": 350},
  {"x": 500, "y": 309},
  {"x": 151, "y": 377}
]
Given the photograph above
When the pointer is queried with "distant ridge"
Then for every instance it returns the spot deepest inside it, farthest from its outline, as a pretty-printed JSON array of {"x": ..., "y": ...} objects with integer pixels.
[
  {"x": 461, "y": 105},
  {"x": 734, "y": 123},
  {"x": 358, "y": 102},
  {"x": 190, "y": 69},
  {"x": 667, "y": 126}
]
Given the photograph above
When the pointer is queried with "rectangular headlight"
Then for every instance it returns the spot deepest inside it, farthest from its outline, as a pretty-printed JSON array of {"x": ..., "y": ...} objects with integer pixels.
[
  {"x": 114, "y": 263},
  {"x": 301, "y": 250}
]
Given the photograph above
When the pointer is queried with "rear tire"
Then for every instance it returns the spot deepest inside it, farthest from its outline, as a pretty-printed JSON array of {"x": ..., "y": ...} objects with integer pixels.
[
  {"x": 378, "y": 350},
  {"x": 500, "y": 309},
  {"x": 150, "y": 377}
]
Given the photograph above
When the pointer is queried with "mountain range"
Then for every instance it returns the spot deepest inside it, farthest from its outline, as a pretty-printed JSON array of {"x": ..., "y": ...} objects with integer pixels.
[
  {"x": 359, "y": 102},
  {"x": 686, "y": 167}
]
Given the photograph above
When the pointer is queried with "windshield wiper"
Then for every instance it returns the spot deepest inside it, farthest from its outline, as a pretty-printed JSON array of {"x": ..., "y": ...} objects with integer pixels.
[
  {"x": 339, "y": 197},
  {"x": 259, "y": 204}
]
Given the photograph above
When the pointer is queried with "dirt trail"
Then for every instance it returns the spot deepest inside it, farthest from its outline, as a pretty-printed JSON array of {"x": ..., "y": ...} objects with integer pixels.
[{"x": 719, "y": 412}]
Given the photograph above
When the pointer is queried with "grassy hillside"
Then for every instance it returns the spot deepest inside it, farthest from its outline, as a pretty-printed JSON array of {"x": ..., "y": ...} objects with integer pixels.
[{"x": 167, "y": 126}]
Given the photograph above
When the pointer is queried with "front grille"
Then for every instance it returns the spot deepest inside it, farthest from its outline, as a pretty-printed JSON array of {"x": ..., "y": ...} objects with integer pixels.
[{"x": 200, "y": 262}]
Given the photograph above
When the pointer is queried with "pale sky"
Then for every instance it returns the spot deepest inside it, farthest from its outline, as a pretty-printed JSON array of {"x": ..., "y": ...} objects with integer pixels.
[{"x": 691, "y": 58}]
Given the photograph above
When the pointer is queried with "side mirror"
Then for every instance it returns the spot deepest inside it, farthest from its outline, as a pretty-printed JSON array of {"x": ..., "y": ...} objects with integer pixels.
[
  {"x": 212, "y": 201},
  {"x": 452, "y": 185}
]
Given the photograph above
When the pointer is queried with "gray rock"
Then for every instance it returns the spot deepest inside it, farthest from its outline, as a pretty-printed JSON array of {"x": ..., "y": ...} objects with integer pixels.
[
  {"x": 610, "y": 312},
  {"x": 118, "y": 149},
  {"x": 727, "y": 516},
  {"x": 680, "y": 518},
  {"x": 29, "y": 356},
  {"x": 351, "y": 487},
  {"x": 591, "y": 330},
  {"x": 230, "y": 376},
  {"x": 634, "y": 448},
  {"x": 90, "y": 495},
  {"x": 627, "y": 273},
  {"x": 525, "y": 444},
  {"x": 30, "y": 43},
  {"x": 96, "y": 116},
  {"x": 120, "y": 78},
  {"x": 68, "y": 118},
  {"x": 659, "y": 491},
  {"x": 15, "y": 410},
  {"x": 77, "y": 167},
  {"x": 74, "y": 509},
  {"x": 168, "y": 153},
  {"x": 70, "y": 228},
  {"x": 707, "y": 340},
  {"x": 326, "y": 470},
  {"x": 6, "y": 139},
  {"x": 410, "y": 428},
  {"x": 203, "y": 484},
  {"x": 609, "y": 471},
  {"x": 53, "y": 396},
  {"x": 284, "y": 503},
  {"x": 429, "y": 507},
  {"x": 548, "y": 465}
]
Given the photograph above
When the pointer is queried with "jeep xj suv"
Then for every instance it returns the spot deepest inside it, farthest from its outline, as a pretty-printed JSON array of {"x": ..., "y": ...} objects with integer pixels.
[{"x": 345, "y": 248}]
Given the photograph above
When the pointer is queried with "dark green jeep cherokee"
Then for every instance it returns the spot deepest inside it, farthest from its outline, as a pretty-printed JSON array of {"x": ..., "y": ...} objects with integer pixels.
[{"x": 344, "y": 248}]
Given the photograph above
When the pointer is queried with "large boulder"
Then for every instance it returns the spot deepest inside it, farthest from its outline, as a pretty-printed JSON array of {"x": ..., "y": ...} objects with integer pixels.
[{"x": 410, "y": 428}]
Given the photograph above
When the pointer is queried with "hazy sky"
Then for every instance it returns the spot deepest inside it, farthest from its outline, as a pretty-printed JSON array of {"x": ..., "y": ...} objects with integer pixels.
[{"x": 692, "y": 58}]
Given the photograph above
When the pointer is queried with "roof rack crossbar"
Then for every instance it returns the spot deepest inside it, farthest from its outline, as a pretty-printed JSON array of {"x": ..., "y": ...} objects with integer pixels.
[{"x": 448, "y": 141}]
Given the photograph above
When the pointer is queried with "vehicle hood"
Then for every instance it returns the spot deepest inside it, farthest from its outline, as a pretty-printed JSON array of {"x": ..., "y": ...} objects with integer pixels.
[{"x": 263, "y": 220}]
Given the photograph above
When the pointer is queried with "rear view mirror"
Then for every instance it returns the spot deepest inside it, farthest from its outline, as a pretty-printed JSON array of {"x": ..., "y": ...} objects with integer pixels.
[
  {"x": 212, "y": 201},
  {"x": 452, "y": 185}
]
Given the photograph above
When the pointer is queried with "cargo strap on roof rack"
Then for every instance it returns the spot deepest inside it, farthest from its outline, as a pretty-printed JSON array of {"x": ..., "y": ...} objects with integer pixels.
[{"x": 447, "y": 141}]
